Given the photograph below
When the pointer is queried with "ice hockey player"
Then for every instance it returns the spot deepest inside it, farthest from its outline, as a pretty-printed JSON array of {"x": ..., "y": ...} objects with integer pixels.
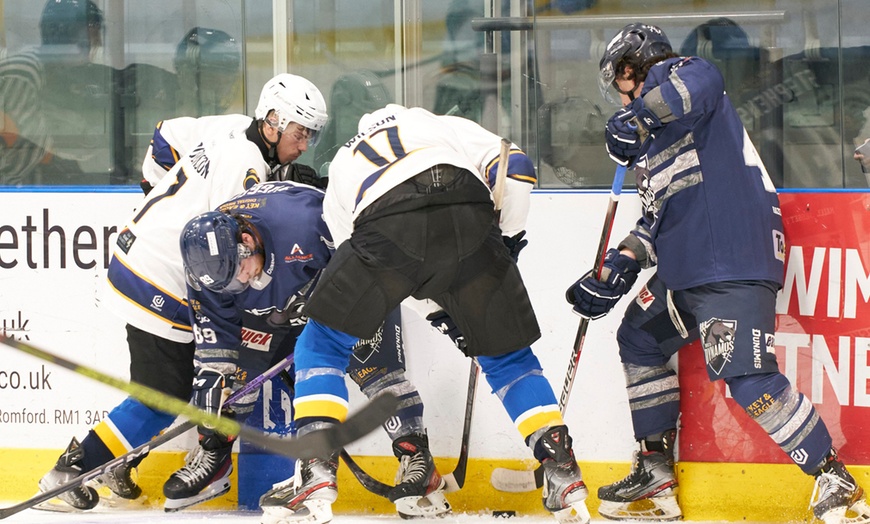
[
  {"x": 246, "y": 268},
  {"x": 146, "y": 274},
  {"x": 411, "y": 212},
  {"x": 712, "y": 226}
]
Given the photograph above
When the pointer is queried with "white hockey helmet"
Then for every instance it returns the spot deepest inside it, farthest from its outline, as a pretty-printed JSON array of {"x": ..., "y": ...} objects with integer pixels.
[{"x": 293, "y": 99}]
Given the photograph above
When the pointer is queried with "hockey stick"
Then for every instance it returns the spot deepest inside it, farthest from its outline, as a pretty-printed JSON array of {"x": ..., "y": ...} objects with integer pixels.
[
  {"x": 320, "y": 443},
  {"x": 456, "y": 478},
  {"x": 512, "y": 480},
  {"x": 131, "y": 455}
]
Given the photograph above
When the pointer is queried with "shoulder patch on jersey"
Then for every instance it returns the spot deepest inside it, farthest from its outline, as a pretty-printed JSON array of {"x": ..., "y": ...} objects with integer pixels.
[
  {"x": 125, "y": 240},
  {"x": 251, "y": 179}
]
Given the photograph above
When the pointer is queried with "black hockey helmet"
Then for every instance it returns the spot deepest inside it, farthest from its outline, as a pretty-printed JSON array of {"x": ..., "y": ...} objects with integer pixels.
[
  {"x": 211, "y": 248},
  {"x": 635, "y": 45}
]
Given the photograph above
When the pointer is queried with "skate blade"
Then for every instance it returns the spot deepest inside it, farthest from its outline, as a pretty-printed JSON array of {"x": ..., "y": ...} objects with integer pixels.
[
  {"x": 577, "y": 513},
  {"x": 658, "y": 509},
  {"x": 311, "y": 512},
  {"x": 211, "y": 492},
  {"x": 858, "y": 513},
  {"x": 432, "y": 505}
]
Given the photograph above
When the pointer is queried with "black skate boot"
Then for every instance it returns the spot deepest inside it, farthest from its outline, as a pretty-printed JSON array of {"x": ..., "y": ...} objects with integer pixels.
[
  {"x": 419, "y": 490},
  {"x": 649, "y": 492},
  {"x": 205, "y": 475},
  {"x": 67, "y": 468},
  {"x": 564, "y": 493},
  {"x": 120, "y": 481},
  {"x": 306, "y": 497},
  {"x": 835, "y": 492}
]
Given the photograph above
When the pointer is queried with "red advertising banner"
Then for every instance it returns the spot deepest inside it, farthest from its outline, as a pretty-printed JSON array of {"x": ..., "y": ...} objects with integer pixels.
[{"x": 822, "y": 339}]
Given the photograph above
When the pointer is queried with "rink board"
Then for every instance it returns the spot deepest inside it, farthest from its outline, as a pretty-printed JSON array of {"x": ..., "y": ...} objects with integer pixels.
[{"x": 54, "y": 248}]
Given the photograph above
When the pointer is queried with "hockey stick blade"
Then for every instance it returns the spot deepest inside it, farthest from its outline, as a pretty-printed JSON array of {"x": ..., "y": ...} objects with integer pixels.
[
  {"x": 145, "y": 448},
  {"x": 316, "y": 444},
  {"x": 324, "y": 442},
  {"x": 517, "y": 480},
  {"x": 367, "y": 481},
  {"x": 453, "y": 480}
]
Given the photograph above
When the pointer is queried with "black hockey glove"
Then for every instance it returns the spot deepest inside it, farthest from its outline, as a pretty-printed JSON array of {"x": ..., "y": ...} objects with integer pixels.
[
  {"x": 306, "y": 175},
  {"x": 208, "y": 387},
  {"x": 441, "y": 321},
  {"x": 291, "y": 315},
  {"x": 515, "y": 244},
  {"x": 593, "y": 298}
]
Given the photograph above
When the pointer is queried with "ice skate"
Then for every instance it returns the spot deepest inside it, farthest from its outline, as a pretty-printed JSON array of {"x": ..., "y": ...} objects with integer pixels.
[
  {"x": 419, "y": 490},
  {"x": 648, "y": 493},
  {"x": 837, "y": 498},
  {"x": 564, "y": 492},
  {"x": 67, "y": 468},
  {"x": 120, "y": 481},
  {"x": 205, "y": 475},
  {"x": 305, "y": 497}
]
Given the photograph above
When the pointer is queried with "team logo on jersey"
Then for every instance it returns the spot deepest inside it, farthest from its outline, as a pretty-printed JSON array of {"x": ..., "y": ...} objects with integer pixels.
[
  {"x": 645, "y": 298},
  {"x": 717, "y": 339},
  {"x": 297, "y": 255},
  {"x": 256, "y": 340},
  {"x": 157, "y": 302},
  {"x": 251, "y": 179},
  {"x": 125, "y": 240},
  {"x": 770, "y": 342}
]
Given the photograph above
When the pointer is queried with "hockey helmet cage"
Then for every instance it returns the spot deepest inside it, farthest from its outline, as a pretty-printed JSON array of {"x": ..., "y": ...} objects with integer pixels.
[
  {"x": 209, "y": 249},
  {"x": 635, "y": 44},
  {"x": 293, "y": 99}
]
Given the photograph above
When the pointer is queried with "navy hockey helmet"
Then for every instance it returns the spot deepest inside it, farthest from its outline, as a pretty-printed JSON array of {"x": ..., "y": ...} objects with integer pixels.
[
  {"x": 635, "y": 45},
  {"x": 210, "y": 250}
]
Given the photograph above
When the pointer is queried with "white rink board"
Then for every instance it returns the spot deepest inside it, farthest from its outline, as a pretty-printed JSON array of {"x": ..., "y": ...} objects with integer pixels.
[{"x": 58, "y": 309}]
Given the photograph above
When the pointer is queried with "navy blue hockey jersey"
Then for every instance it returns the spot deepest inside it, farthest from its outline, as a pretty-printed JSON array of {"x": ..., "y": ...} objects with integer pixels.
[
  {"x": 296, "y": 245},
  {"x": 711, "y": 213}
]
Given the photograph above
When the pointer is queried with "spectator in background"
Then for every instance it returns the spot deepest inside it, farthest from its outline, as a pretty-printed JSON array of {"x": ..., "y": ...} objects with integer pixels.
[{"x": 208, "y": 63}]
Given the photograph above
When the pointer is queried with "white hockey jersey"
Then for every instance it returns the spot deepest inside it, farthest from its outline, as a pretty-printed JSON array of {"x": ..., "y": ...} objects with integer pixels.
[
  {"x": 146, "y": 273},
  {"x": 175, "y": 136},
  {"x": 395, "y": 144}
]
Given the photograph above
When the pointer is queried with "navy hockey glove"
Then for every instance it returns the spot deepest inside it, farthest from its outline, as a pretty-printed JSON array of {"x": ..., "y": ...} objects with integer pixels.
[
  {"x": 208, "y": 388},
  {"x": 593, "y": 298},
  {"x": 623, "y": 135},
  {"x": 515, "y": 244},
  {"x": 622, "y": 138},
  {"x": 441, "y": 321}
]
